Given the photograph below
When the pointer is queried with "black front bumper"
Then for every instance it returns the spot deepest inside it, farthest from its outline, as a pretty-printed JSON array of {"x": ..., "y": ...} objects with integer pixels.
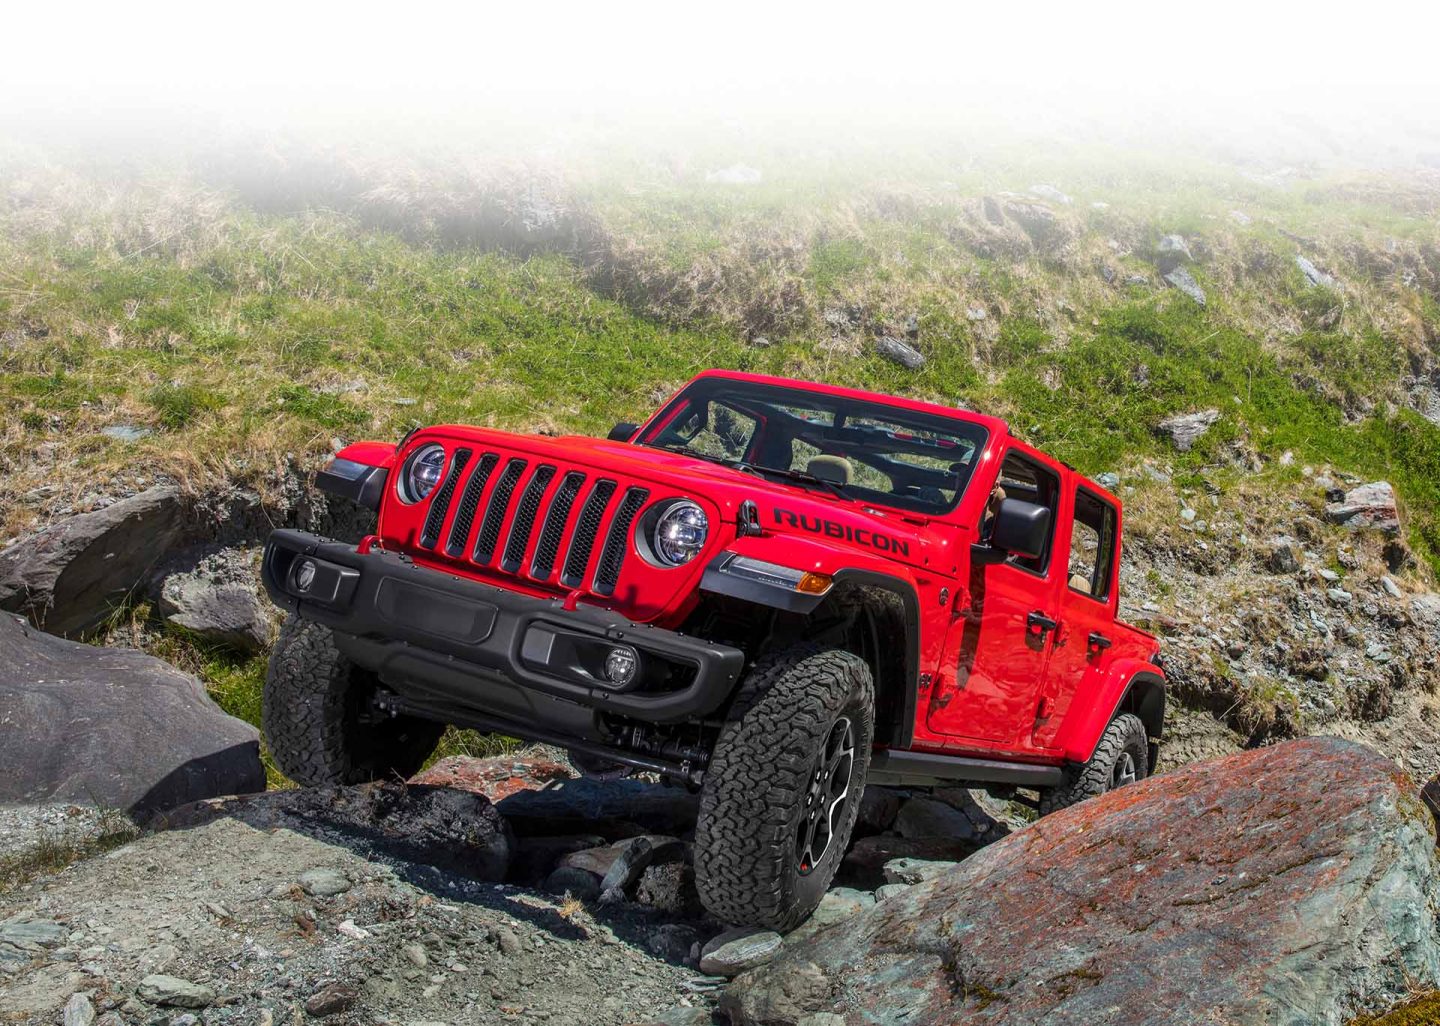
[{"x": 450, "y": 641}]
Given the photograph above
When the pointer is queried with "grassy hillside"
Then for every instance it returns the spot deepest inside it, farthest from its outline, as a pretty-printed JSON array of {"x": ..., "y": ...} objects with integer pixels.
[{"x": 243, "y": 313}]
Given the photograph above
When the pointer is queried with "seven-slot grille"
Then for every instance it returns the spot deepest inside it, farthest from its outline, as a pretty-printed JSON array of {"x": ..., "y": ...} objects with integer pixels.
[{"x": 513, "y": 498}]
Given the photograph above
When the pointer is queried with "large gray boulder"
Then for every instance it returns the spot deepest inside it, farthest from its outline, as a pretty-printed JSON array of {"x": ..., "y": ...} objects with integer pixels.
[
  {"x": 1287, "y": 885},
  {"x": 67, "y": 578},
  {"x": 112, "y": 727}
]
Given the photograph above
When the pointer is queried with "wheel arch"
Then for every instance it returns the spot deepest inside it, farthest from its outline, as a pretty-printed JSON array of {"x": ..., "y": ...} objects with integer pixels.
[
  {"x": 885, "y": 602},
  {"x": 1131, "y": 685}
]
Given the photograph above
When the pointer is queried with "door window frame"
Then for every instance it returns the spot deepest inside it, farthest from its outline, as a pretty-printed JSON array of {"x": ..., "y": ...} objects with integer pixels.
[
  {"x": 1112, "y": 514},
  {"x": 1040, "y": 467}
]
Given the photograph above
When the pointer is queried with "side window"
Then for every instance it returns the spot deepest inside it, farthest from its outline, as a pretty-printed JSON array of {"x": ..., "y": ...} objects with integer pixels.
[
  {"x": 1092, "y": 545},
  {"x": 1022, "y": 478}
]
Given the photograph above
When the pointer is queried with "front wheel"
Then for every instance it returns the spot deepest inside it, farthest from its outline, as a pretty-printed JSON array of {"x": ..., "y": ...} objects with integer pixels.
[
  {"x": 783, "y": 787},
  {"x": 1122, "y": 757},
  {"x": 318, "y": 718}
]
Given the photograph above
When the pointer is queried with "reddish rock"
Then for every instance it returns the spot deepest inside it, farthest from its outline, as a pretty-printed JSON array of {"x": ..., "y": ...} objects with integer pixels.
[
  {"x": 1287, "y": 885},
  {"x": 1368, "y": 507},
  {"x": 495, "y": 777}
]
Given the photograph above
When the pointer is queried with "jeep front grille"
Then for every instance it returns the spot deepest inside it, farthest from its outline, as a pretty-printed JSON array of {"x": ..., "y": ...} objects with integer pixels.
[
  {"x": 524, "y": 521},
  {"x": 586, "y": 528},
  {"x": 516, "y": 501},
  {"x": 494, "y": 520},
  {"x": 469, "y": 503}
]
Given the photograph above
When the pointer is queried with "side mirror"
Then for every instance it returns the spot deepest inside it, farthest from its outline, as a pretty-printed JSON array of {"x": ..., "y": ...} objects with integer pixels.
[
  {"x": 623, "y": 431},
  {"x": 1020, "y": 528}
]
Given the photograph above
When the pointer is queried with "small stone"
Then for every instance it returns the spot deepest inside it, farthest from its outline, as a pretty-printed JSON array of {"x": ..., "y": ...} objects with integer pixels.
[
  {"x": 159, "y": 989},
  {"x": 891, "y": 890},
  {"x": 625, "y": 870},
  {"x": 337, "y": 997},
  {"x": 1183, "y": 280},
  {"x": 349, "y": 929},
  {"x": 1049, "y": 192},
  {"x": 1184, "y": 429},
  {"x": 914, "y": 871},
  {"x": 125, "y": 432},
  {"x": 1391, "y": 588},
  {"x": 78, "y": 1011},
  {"x": 324, "y": 882},
  {"x": 508, "y": 943},
  {"x": 684, "y": 1015},
  {"x": 976, "y": 313},
  {"x": 576, "y": 882},
  {"x": 1187, "y": 515},
  {"x": 1170, "y": 252},
  {"x": 899, "y": 352},
  {"x": 1328, "y": 576},
  {"x": 1313, "y": 274},
  {"x": 1339, "y": 596},
  {"x": 735, "y": 951},
  {"x": 43, "y": 932},
  {"x": 416, "y": 955},
  {"x": 1108, "y": 480},
  {"x": 821, "y": 1019},
  {"x": 1240, "y": 217},
  {"x": 672, "y": 942}
]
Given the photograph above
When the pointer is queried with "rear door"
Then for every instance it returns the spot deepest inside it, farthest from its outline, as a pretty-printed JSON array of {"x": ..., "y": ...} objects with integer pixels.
[
  {"x": 996, "y": 650},
  {"x": 1087, "y": 604}
]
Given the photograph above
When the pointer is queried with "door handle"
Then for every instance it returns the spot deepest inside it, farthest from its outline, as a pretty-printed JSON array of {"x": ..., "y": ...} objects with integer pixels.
[
  {"x": 1039, "y": 625},
  {"x": 1097, "y": 643}
]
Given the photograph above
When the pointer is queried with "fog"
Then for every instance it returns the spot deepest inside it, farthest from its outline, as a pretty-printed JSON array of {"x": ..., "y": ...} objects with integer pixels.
[{"x": 1356, "y": 83}]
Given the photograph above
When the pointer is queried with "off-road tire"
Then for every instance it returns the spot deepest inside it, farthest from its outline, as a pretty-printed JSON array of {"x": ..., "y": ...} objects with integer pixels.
[
  {"x": 1126, "y": 736},
  {"x": 780, "y": 731},
  {"x": 315, "y": 715}
]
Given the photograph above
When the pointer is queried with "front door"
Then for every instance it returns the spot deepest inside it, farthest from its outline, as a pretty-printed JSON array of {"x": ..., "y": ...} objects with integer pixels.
[{"x": 996, "y": 652}]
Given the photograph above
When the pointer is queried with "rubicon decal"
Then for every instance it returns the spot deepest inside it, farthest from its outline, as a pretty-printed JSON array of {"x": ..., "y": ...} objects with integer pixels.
[{"x": 833, "y": 529}]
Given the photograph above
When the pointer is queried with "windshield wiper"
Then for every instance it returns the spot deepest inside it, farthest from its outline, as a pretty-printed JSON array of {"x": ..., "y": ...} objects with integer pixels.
[
  {"x": 724, "y": 461},
  {"x": 834, "y": 487}
]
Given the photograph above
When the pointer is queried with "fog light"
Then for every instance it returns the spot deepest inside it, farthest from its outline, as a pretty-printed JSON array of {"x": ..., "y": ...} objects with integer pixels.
[
  {"x": 305, "y": 575},
  {"x": 620, "y": 665}
]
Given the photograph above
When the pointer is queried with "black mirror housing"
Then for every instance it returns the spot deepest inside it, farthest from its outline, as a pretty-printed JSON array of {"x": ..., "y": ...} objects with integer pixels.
[
  {"x": 1020, "y": 528},
  {"x": 623, "y": 431}
]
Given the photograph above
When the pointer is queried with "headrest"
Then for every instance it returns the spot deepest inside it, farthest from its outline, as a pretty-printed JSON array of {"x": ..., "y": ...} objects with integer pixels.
[{"x": 829, "y": 468}]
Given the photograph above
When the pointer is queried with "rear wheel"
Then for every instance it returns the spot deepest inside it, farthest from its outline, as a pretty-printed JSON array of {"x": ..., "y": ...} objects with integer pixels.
[
  {"x": 1122, "y": 757},
  {"x": 783, "y": 787},
  {"x": 319, "y": 721}
]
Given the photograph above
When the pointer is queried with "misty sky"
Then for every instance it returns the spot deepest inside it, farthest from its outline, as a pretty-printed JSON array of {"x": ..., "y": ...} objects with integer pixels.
[{"x": 1367, "y": 71}]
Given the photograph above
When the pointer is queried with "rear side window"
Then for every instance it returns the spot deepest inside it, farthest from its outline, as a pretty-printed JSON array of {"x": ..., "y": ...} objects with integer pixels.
[{"x": 1092, "y": 545}]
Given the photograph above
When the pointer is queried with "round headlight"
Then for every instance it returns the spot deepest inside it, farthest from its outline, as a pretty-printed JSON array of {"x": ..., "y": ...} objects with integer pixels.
[
  {"x": 422, "y": 473},
  {"x": 680, "y": 533}
]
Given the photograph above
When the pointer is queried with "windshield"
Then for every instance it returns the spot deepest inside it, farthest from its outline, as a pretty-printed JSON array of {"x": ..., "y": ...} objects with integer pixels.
[{"x": 870, "y": 452}]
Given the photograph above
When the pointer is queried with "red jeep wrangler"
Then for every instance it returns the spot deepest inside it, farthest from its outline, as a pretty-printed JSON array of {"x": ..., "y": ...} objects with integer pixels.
[{"x": 773, "y": 591}]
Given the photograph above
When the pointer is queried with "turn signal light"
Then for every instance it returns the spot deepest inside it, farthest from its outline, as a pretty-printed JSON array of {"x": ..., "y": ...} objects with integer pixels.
[{"x": 814, "y": 584}]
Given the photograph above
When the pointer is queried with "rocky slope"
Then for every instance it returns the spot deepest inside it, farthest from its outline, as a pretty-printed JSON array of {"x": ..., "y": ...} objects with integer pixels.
[{"x": 386, "y": 904}]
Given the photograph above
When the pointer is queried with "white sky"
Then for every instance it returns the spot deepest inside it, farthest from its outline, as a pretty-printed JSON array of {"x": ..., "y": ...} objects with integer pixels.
[{"x": 1370, "y": 67}]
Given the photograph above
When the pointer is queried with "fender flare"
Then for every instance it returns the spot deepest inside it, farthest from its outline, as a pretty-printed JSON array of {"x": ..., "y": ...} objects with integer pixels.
[
  {"x": 1130, "y": 685},
  {"x": 845, "y": 568}
]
